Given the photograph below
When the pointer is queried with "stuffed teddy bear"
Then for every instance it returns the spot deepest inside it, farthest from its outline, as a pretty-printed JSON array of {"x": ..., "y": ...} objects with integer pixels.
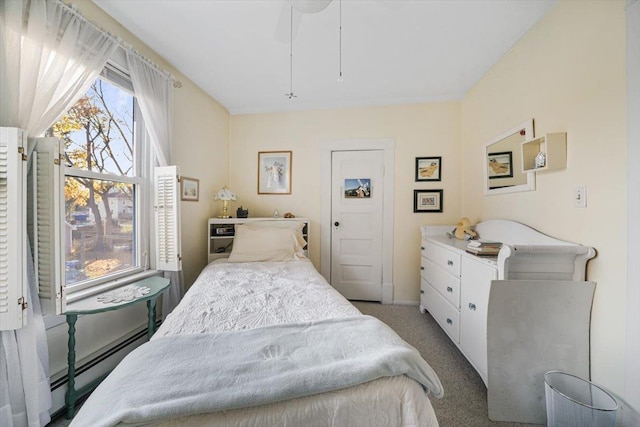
[{"x": 463, "y": 230}]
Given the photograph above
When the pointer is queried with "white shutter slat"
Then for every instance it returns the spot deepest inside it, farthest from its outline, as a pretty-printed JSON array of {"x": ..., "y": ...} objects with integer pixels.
[
  {"x": 47, "y": 181},
  {"x": 13, "y": 268},
  {"x": 167, "y": 218}
]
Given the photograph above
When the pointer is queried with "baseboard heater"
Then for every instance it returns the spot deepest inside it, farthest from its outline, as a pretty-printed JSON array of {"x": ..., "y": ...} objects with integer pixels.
[{"x": 95, "y": 361}]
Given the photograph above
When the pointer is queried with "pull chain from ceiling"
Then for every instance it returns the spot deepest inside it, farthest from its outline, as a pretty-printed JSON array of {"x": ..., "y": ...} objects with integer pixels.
[
  {"x": 340, "y": 79},
  {"x": 291, "y": 95}
]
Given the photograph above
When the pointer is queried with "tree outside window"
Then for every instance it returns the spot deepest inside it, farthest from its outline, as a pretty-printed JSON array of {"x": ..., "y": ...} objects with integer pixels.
[{"x": 100, "y": 183}]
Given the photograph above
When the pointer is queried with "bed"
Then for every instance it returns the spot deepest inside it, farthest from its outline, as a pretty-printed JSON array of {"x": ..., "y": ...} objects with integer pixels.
[{"x": 262, "y": 339}]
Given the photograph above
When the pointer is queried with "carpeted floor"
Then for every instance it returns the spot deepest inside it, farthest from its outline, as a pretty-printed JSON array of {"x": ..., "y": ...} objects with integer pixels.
[
  {"x": 465, "y": 401},
  {"x": 465, "y": 396}
]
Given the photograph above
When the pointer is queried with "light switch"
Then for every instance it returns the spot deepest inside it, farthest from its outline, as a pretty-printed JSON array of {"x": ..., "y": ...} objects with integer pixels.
[{"x": 580, "y": 196}]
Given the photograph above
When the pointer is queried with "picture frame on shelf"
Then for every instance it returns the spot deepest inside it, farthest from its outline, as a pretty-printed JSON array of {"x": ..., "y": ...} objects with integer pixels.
[
  {"x": 189, "y": 189},
  {"x": 274, "y": 172},
  {"x": 500, "y": 165},
  {"x": 427, "y": 201},
  {"x": 428, "y": 168}
]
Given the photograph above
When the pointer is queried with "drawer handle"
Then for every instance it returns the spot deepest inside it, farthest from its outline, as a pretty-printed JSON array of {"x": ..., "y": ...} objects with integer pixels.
[
  {"x": 421, "y": 268},
  {"x": 449, "y": 321},
  {"x": 450, "y": 263},
  {"x": 422, "y": 248},
  {"x": 472, "y": 306},
  {"x": 449, "y": 289}
]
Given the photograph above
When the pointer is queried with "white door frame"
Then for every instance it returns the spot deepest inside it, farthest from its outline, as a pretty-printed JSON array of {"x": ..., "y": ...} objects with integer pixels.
[
  {"x": 326, "y": 148},
  {"x": 632, "y": 350}
]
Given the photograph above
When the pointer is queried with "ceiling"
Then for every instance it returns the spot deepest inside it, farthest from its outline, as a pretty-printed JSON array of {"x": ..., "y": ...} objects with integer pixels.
[{"x": 393, "y": 52}]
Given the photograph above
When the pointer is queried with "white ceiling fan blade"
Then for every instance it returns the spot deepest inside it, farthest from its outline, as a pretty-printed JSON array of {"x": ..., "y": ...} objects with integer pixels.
[
  {"x": 309, "y": 6},
  {"x": 283, "y": 27}
]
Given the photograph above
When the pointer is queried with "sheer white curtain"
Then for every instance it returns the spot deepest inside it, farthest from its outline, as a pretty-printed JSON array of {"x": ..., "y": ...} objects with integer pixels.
[
  {"x": 154, "y": 92},
  {"x": 49, "y": 56}
]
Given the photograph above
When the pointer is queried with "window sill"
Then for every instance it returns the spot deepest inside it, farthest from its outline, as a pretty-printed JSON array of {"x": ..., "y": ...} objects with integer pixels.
[{"x": 96, "y": 290}]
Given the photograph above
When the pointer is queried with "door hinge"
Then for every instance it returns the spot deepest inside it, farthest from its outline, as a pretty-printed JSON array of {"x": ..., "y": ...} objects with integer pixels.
[
  {"x": 23, "y": 303},
  {"x": 21, "y": 151}
]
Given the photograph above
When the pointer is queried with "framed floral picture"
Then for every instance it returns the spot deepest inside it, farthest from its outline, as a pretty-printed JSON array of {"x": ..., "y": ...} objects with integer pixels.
[
  {"x": 427, "y": 200},
  {"x": 274, "y": 172}
]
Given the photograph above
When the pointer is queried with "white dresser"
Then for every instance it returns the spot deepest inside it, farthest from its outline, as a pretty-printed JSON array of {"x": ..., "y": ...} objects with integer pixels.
[{"x": 460, "y": 289}]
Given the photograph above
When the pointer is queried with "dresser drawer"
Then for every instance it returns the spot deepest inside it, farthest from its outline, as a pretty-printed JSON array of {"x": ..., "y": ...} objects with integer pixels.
[
  {"x": 448, "y": 260},
  {"x": 445, "y": 283},
  {"x": 444, "y": 313}
]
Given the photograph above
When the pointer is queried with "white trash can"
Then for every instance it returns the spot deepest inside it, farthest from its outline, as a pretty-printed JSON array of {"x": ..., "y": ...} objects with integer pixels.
[{"x": 575, "y": 402}]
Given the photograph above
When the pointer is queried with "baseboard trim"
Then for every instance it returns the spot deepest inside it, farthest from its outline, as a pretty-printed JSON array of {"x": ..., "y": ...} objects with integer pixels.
[
  {"x": 414, "y": 303},
  {"x": 64, "y": 379}
]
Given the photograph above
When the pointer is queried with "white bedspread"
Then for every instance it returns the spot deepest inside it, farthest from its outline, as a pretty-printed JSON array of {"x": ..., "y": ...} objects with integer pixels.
[
  {"x": 236, "y": 297},
  {"x": 229, "y": 297},
  {"x": 251, "y": 367}
]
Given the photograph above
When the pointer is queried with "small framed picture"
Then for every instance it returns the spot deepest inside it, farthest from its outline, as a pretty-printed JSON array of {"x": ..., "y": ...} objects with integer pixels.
[
  {"x": 500, "y": 165},
  {"x": 427, "y": 200},
  {"x": 428, "y": 168},
  {"x": 274, "y": 172},
  {"x": 189, "y": 189},
  {"x": 357, "y": 188}
]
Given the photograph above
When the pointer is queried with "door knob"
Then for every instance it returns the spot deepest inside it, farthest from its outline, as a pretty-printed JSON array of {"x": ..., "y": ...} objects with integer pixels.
[{"x": 336, "y": 223}]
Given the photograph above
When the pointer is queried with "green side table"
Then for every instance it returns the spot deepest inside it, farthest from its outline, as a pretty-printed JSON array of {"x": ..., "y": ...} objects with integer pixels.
[{"x": 92, "y": 305}]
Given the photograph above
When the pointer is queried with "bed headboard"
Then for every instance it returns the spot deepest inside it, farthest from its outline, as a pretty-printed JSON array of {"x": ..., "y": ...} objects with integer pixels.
[{"x": 221, "y": 231}]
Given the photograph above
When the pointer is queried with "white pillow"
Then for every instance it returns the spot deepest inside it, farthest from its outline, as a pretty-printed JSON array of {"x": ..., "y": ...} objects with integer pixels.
[{"x": 262, "y": 243}]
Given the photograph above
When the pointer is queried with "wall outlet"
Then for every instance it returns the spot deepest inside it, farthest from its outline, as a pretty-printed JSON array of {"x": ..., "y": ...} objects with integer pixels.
[{"x": 580, "y": 196}]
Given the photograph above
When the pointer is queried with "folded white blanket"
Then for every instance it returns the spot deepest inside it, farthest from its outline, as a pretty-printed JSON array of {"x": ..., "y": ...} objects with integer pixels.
[{"x": 188, "y": 374}]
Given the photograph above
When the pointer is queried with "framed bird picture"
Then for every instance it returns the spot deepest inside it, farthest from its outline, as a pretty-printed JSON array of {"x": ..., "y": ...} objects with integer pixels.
[
  {"x": 500, "y": 165},
  {"x": 428, "y": 168}
]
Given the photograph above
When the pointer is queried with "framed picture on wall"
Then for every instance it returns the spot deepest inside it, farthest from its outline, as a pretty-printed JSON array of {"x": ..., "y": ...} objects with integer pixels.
[
  {"x": 428, "y": 168},
  {"x": 427, "y": 200},
  {"x": 274, "y": 172},
  {"x": 500, "y": 165},
  {"x": 189, "y": 189},
  {"x": 357, "y": 188}
]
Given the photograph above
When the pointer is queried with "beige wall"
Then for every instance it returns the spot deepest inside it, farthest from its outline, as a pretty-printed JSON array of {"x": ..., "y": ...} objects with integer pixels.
[
  {"x": 200, "y": 149},
  {"x": 568, "y": 74},
  {"x": 418, "y": 130}
]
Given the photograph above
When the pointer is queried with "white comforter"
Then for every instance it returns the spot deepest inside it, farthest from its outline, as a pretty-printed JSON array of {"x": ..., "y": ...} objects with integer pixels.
[
  {"x": 239, "y": 369},
  {"x": 228, "y": 297}
]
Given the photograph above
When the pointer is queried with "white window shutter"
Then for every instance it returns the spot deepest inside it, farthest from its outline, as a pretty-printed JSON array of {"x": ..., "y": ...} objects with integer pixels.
[
  {"x": 13, "y": 268},
  {"x": 167, "y": 218},
  {"x": 46, "y": 182}
]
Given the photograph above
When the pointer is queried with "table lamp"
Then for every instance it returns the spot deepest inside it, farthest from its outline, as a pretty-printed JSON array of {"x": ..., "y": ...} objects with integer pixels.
[{"x": 225, "y": 195}]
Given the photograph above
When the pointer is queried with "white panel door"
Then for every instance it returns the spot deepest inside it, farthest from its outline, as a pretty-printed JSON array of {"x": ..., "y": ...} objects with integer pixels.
[{"x": 357, "y": 198}]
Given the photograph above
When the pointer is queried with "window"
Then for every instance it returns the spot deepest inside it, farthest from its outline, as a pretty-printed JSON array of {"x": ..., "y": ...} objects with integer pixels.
[{"x": 103, "y": 184}]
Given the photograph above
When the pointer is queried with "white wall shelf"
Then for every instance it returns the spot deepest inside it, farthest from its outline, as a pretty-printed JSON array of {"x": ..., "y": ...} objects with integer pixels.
[{"x": 554, "y": 147}]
